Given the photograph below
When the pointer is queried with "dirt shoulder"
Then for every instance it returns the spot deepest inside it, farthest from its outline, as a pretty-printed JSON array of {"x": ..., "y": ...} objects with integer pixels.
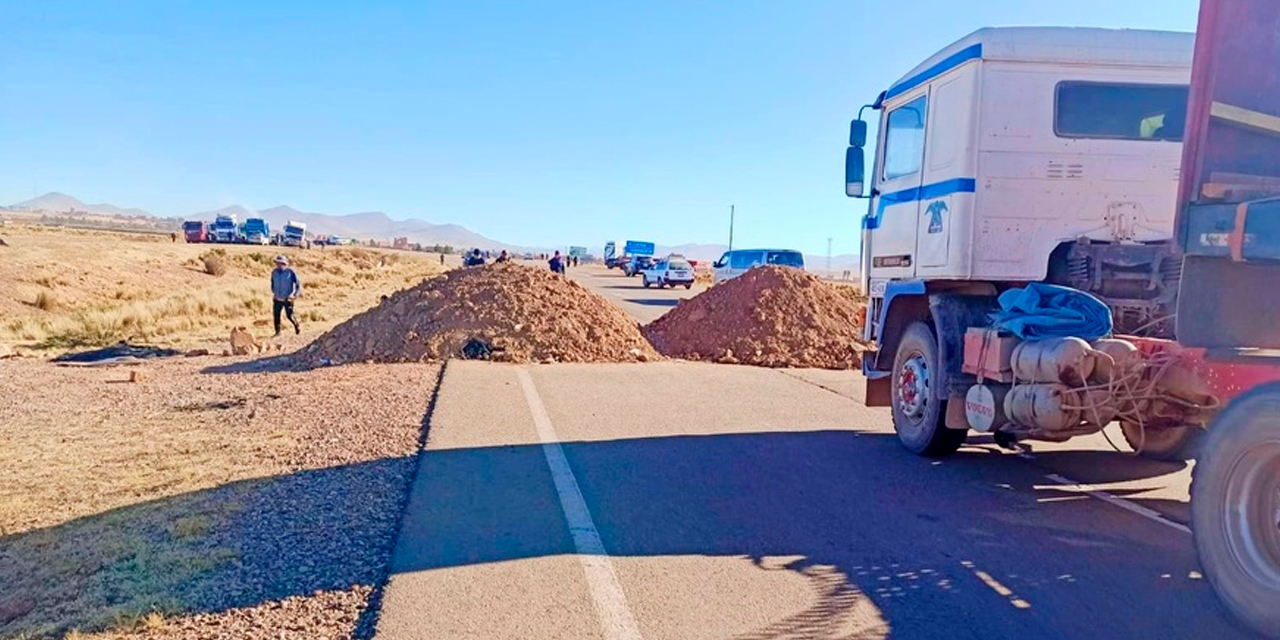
[{"x": 201, "y": 501}]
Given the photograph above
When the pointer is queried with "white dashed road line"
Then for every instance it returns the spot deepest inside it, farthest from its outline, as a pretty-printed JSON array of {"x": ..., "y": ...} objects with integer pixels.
[
  {"x": 606, "y": 593},
  {"x": 1149, "y": 514}
]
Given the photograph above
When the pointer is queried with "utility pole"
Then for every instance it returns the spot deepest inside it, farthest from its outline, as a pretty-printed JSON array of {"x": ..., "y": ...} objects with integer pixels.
[
  {"x": 731, "y": 227},
  {"x": 828, "y": 255}
]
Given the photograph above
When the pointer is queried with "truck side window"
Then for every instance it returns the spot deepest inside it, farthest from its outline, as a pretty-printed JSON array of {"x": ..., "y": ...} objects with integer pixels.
[
  {"x": 1120, "y": 111},
  {"x": 904, "y": 139}
]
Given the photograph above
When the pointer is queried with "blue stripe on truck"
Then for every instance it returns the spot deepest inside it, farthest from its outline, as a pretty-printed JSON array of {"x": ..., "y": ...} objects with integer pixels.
[
  {"x": 973, "y": 52},
  {"x": 927, "y": 192}
]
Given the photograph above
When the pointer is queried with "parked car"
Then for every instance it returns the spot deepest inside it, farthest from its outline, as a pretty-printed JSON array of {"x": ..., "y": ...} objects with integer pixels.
[
  {"x": 672, "y": 271},
  {"x": 737, "y": 262},
  {"x": 637, "y": 264}
]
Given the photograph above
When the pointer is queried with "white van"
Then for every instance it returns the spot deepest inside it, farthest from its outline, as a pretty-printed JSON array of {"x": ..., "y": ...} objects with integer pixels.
[{"x": 735, "y": 263}]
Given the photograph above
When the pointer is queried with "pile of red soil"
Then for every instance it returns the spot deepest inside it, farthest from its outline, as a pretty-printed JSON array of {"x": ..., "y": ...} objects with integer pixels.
[
  {"x": 771, "y": 317},
  {"x": 525, "y": 314}
]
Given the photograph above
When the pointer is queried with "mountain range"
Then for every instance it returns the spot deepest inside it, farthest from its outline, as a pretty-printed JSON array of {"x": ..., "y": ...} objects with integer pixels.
[
  {"x": 61, "y": 202},
  {"x": 380, "y": 226},
  {"x": 371, "y": 224}
]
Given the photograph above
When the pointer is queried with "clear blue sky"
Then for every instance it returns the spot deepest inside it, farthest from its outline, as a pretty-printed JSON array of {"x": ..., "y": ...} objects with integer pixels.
[{"x": 540, "y": 123}]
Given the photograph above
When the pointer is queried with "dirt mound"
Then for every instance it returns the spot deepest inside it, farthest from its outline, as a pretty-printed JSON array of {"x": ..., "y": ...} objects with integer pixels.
[
  {"x": 771, "y": 317},
  {"x": 524, "y": 314}
]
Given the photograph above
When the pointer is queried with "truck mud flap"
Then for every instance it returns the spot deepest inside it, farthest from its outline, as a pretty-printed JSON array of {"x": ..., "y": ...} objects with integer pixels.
[{"x": 953, "y": 315}]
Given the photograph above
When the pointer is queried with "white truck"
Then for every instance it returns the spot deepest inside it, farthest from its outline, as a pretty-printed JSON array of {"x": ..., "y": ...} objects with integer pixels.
[
  {"x": 295, "y": 234},
  {"x": 1014, "y": 155},
  {"x": 226, "y": 229}
]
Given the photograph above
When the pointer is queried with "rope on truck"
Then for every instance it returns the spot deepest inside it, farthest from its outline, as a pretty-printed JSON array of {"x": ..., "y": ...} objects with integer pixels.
[{"x": 1133, "y": 388}]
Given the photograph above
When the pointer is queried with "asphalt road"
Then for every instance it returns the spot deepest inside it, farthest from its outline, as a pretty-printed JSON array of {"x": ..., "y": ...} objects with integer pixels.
[
  {"x": 646, "y": 305},
  {"x": 685, "y": 500}
]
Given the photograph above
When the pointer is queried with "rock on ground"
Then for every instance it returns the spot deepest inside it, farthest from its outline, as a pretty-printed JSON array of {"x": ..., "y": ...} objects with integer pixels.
[
  {"x": 527, "y": 314},
  {"x": 770, "y": 316}
]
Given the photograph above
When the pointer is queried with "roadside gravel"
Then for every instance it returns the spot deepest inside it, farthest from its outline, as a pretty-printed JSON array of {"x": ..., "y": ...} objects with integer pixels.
[{"x": 231, "y": 503}]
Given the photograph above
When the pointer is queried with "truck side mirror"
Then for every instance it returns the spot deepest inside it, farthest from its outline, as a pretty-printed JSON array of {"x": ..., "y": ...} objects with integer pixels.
[
  {"x": 854, "y": 171},
  {"x": 858, "y": 133}
]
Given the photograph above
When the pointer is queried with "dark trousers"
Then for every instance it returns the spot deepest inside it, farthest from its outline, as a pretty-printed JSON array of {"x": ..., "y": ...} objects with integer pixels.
[{"x": 287, "y": 307}]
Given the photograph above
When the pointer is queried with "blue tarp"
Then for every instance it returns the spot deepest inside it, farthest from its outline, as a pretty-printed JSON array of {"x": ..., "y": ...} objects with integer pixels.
[{"x": 1048, "y": 311}]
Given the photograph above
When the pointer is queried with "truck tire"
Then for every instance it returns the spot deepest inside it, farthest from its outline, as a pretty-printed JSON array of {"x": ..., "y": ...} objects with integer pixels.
[
  {"x": 1235, "y": 508},
  {"x": 918, "y": 412},
  {"x": 1171, "y": 444}
]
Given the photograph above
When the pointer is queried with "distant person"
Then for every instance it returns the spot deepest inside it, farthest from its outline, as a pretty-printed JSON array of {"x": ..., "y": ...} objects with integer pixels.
[
  {"x": 173, "y": 237},
  {"x": 284, "y": 288},
  {"x": 475, "y": 259},
  {"x": 575, "y": 261},
  {"x": 442, "y": 258},
  {"x": 557, "y": 263},
  {"x": 503, "y": 257}
]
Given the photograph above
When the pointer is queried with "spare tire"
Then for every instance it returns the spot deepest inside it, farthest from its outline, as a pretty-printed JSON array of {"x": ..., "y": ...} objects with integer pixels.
[{"x": 1171, "y": 444}]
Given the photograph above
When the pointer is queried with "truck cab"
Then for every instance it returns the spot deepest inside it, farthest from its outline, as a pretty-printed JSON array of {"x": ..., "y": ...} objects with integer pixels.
[
  {"x": 1015, "y": 155},
  {"x": 195, "y": 231},
  {"x": 295, "y": 234},
  {"x": 226, "y": 229},
  {"x": 257, "y": 231}
]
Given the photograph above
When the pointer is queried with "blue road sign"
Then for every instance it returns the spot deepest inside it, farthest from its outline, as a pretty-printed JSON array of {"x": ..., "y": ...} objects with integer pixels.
[{"x": 637, "y": 248}]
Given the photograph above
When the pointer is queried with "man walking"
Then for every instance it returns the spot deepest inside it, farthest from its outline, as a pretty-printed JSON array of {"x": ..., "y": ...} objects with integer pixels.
[
  {"x": 284, "y": 288},
  {"x": 557, "y": 264}
]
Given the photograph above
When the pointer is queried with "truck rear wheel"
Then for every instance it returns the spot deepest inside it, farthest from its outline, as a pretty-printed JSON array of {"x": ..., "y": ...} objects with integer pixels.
[
  {"x": 918, "y": 410},
  {"x": 1172, "y": 444},
  {"x": 1235, "y": 508}
]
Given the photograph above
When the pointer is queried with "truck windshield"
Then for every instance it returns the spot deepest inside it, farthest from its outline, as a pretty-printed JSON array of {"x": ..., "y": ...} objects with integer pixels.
[{"x": 1120, "y": 111}]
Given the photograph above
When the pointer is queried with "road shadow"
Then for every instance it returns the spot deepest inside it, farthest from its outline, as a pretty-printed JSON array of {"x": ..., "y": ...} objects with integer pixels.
[
  {"x": 891, "y": 545},
  {"x": 1099, "y": 467},
  {"x": 236, "y": 545}
]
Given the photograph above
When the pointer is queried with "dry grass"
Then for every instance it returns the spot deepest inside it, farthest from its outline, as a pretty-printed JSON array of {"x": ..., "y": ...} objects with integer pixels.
[
  {"x": 96, "y": 288},
  {"x": 46, "y": 301},
  {"x": 215, "y": 262}
]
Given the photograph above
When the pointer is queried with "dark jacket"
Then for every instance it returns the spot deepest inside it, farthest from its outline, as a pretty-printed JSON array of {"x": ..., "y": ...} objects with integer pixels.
[{"x": 284, "y": 284}]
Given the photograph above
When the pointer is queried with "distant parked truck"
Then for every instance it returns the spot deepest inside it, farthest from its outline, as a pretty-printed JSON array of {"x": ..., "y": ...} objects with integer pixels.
[
  {"x": 295, "y": 234},
  {"x": 226, "y": 229},
  {"x": 257, "y": 231},
  {"x": 195, "y": 231}
]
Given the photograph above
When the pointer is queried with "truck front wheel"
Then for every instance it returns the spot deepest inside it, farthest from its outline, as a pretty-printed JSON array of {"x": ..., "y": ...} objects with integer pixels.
[
  {"x": 918, "y": 411},
  {"x": 1235, "y": 508}
]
